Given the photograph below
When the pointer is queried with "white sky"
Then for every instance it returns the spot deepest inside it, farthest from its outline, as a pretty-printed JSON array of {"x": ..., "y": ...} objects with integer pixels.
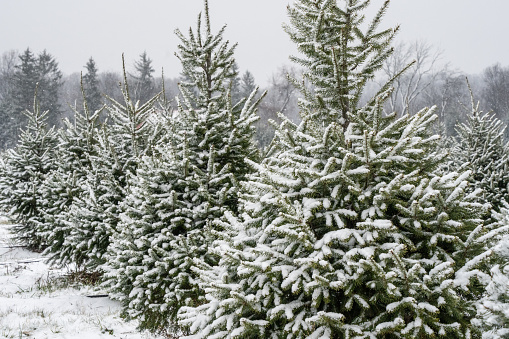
[{"x": 471, "y": 33}]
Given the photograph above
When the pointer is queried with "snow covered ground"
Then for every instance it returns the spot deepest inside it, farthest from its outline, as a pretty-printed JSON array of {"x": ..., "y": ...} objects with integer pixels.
[{"x": 35, "y": 302}]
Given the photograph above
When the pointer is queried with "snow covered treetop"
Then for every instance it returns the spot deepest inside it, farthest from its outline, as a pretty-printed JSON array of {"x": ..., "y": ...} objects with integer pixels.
[{"x": 339, "y": 57}]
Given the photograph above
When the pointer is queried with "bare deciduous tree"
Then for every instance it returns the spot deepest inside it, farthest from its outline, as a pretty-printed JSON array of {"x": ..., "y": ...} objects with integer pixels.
[
  {"x": 410, "y": 87},
  {"x": 447, "y": 92},
  {"x": 282, "y": 97}
]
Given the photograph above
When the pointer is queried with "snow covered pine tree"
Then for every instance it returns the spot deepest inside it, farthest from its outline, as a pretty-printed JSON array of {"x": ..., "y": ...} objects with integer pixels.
[
  {"x": 493, "y": 306},
  {"x": 177, "y": 192},
  {"x": 348, "y": 232},
  {"x": 95, "y": 214},
  {"x": 480, "y": 147},
  {"x": 77, "y": 144},
  {"x": 26, "y": 168}
]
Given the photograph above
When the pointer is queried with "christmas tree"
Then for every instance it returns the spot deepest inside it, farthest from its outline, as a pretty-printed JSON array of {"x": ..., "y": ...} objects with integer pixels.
[
  {"x": 95, "y": 214},
  {"x": 76, "y": 145},
  {"x": 479, "y": 146},
  {"x": 348, "y": 230},
  {"x": 493, "y": 306},
  {"x": 28, "y": 165},
  {"x": 91, "y": 86},
  {"x": 144, "y": 85},
  {"x": 179, "y": 190}
]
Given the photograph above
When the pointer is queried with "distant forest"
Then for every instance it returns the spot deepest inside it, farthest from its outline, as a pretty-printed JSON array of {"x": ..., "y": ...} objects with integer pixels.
[{"x": 429, "y": 81}]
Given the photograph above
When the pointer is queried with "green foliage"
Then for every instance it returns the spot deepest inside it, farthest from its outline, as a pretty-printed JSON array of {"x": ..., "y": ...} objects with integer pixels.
[
  {"x": 95, "y": 213},
  {"x": 144, "y": 86},
  {"x": 91, "y": 87},
  {"x": 149, "y": 268},
  {"x": 24, "y": 82},
  {"x": 20, "y": 84},
  {"x": 66, "y": 182},
  {"x": 41, "y": 72},
  {"x": 188, "y": 182},
  {"x": 348, "y": 232},
  {"x": 493, "y": 306},
  {"x": 27, "y": 167},
  {"x": 339, "y": 58},
  {"x": 480, "y": 147},
  {"x": 349, "y": 228},
  {"x": 49, "y": 79}
]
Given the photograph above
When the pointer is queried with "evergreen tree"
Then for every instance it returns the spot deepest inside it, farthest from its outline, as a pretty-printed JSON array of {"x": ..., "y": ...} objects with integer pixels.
[
  {"x": 11, "y": 125},
  {"x": 91, "y": 86},
  {"x": 247, "y": 84},
  {"x": 235, "y": 89},
  {"x": 209, "y": 122},
  {"x": 348, "y": 230},
  {"x": 41, "y": 71},
  {"x": 149, "y": 265},
  {"x": 177, "y": 192},
  {"x": 28, "y": 164},
  {"x": 337, "y": 62},
  {"x": 49, "y": 79},
  {"x": 76, "y": 146},
  {"x": 10, "y": 130},
  {"x": 144, "y": 88},
  {"x": 23, "y": 88},
  {"x": 4, "y": 181},
  {"x": 480, "y": 147},
  {"x": 494, "y": 304},
  {"x": 94, "y": 214}
]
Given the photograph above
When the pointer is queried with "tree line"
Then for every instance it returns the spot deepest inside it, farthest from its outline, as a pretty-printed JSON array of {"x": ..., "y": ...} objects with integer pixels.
[
  {"x": 20, "y": 74},
  {"x": 428, "y": 82},
  {"x": 360, "y": 218}
]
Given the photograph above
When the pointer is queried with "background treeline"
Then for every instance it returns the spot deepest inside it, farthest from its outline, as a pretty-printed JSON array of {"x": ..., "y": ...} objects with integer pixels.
[
  {"x": 430, "y": 81},
  {"x": 19, "y": 74}
]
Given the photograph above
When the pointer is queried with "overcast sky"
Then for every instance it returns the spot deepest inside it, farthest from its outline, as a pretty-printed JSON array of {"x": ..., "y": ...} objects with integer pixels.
[{"x": 471, "y": 33}]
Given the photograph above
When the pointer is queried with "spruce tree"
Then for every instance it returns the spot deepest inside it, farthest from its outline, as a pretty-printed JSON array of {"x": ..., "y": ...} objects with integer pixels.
[
  {"x": 65, "y": 183},
  {"x": 35, "y": 71},
  {"x": 348, "y": 230},
  {"x": 10, "y": 130},
  {"x": 28, "y": 164},
  {"x": 144, "y": 85},
  {"x": 49, "y": 80},
  {"x": 181, "y": 189},
  {"x": 91, "y": 86},
  {"x": 95, "y": 214},
  {"x": 149, "y": 259},
  {"x": 338, "y": 58},
  {"x": 247, "y": 84},
  {"x": 494, "y": 304},
  {"x": 23, "y": 87},
  {"x": 11, "y": 125},
  {"x": 235, "y": 89},
  {"x": 479, "y": 146},
  {"x": 209, "y": 119}
]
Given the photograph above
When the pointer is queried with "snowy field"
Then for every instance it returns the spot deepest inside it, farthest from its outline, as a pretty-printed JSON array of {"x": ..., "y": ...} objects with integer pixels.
[{"x": 37, "y": 302}]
